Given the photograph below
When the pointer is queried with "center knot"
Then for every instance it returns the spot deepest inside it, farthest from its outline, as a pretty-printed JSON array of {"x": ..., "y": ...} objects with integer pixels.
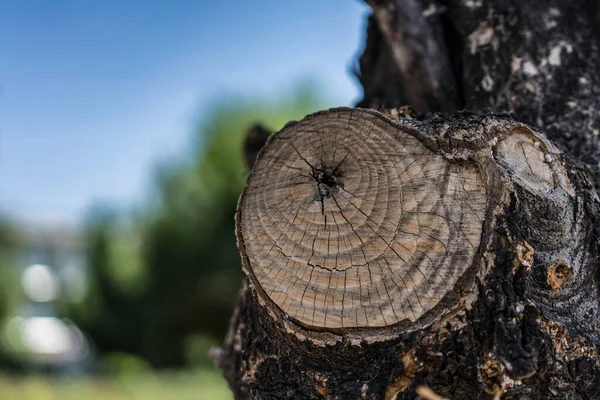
[{"x": 328, "y": 181}]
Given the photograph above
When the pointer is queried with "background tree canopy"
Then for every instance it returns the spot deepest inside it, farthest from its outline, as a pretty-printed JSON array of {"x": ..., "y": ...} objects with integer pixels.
[
  {"x": 165, "y": 279},
  {"x": 9, "y": 246}
]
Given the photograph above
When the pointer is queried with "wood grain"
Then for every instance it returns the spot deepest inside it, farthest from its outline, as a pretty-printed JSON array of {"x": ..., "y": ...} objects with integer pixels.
[{"x": 348, "y": 221}]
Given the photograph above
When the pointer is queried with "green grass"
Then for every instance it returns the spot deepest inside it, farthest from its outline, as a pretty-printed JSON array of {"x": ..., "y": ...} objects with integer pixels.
[{"x": 196, "y": 385}]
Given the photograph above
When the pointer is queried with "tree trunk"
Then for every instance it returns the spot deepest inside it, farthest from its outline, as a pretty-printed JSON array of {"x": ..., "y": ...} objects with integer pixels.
[{"x": 391, "y": 254}]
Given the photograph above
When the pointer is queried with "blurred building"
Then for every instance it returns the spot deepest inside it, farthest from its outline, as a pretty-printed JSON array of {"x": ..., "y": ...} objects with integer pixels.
[{"x": 51, "y": 271}]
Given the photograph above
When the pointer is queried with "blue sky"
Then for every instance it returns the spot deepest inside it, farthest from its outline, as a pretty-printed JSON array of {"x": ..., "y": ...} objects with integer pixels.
[{"x": 93, "y": 93}]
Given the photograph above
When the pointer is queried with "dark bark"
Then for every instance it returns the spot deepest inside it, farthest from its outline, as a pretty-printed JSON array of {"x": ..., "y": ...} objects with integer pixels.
[
  {"x": 406, "y": 60},
  {"x": 535, "y": 59},
  {"x": 525, "y": 324}
]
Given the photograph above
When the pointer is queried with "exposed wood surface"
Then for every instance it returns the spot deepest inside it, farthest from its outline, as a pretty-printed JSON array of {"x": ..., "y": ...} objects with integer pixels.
[{"x": 350, "y": 221}]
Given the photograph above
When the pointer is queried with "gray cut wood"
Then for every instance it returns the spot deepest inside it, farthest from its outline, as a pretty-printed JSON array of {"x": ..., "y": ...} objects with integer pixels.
[{"x": 350, "y": 221}]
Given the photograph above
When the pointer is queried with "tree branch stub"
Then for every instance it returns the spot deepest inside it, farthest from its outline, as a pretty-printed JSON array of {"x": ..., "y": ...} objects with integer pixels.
[{"x": 351, "y": 222}]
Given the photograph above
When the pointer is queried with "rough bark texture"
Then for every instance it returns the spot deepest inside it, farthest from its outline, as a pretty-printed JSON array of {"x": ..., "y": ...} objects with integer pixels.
[
  {"x": 521, "y": 322},
  {"x": 535, "y": 59}
]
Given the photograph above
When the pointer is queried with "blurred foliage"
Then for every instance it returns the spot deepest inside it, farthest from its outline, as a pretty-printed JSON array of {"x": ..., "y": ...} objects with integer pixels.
[
  {"x": 124, "y": 366},
  {"x": 5, "y": 242},
  {"x": 196, "y": 385},
  {"x": 163, "y": 284},
  {"x": 8, "y": 237},
  {"x": 9, "y": 247}
]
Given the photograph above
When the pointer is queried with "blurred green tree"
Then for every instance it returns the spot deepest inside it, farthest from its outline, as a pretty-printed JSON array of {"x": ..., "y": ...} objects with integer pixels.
[
  {"x": 166, "y": 285},
  {"x": 113, "y": 313},
  {"x": 6, "y": 245},
  {"x": 9, "y": 250}
]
